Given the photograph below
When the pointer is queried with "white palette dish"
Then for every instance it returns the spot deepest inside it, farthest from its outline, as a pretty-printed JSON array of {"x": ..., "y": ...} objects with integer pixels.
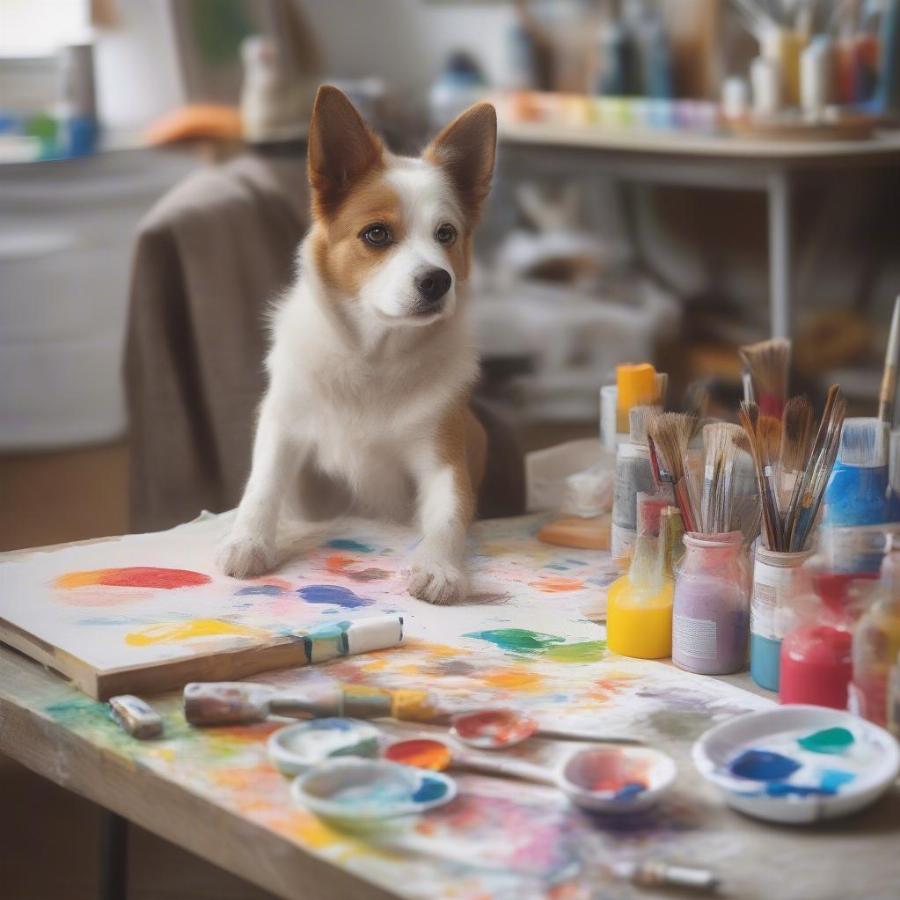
[
  {"x": 639, "y": 777},
  {"x": 362, "y": 790},
  {"x": 295, "y": 749},
  {"x": 873, "y": 760}
]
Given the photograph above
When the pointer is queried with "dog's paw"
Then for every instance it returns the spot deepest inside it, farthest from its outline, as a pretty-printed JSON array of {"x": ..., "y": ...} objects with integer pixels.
[
  {"x": 438, "y": 582},
  {"x": 244, "y": 556}
]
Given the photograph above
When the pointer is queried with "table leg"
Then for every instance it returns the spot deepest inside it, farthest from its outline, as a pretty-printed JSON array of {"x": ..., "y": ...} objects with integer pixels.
[
  {"x": 780, "y": 287},
  {"x": 113, "y": 857}
]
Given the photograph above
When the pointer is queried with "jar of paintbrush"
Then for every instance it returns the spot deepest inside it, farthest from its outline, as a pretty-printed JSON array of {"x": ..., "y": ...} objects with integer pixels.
[{"x": 711, "y": 603}]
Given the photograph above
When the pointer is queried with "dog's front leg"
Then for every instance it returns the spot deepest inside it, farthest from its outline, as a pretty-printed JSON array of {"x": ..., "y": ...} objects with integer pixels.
[
  {"x": 446, "y": 506},
  {"x": 251, "y": 548}
]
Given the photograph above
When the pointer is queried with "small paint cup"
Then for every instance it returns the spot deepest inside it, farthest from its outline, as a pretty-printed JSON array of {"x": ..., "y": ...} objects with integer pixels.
[
  {"x": 297, "y": 748},
  {"x": 617, "y": 779}
]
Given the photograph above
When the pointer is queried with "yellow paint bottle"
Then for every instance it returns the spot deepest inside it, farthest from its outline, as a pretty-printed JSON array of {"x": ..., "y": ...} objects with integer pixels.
[{"x": 639, "y": 605}]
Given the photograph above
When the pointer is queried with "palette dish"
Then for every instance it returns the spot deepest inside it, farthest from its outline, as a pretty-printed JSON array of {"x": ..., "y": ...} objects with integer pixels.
[
  {"x": 617, "y": 779},
  {"x": 492, "y": 729},
  {"x": 797, "y": 764},
  {"x": 361, "y": 790},
  {"x": 295, "y": 749}
]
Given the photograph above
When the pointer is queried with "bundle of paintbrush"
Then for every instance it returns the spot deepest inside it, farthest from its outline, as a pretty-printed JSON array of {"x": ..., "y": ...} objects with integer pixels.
[
  {"x": 766, "y": 367},
  {"x": 793, "y": 466},
  {"x": 717, "y": 496}
]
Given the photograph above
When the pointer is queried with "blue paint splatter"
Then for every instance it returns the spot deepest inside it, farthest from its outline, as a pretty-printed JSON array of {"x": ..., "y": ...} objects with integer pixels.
[
  {"x": 782, "y": 789},
  {"x": 629, "y": 790},
  {"x": 350, "y": 544},
  {"x": 269, "y": 590},
  {"x": 763, "y": 765},
  {"x": 333, "y": 595},
  {"x": 834, "y": 779},
  {"x": 430, "y": 789}
]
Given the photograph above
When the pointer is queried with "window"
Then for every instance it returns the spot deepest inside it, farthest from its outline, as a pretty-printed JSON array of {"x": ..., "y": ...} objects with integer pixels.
[{"x": 39, "y": 27}]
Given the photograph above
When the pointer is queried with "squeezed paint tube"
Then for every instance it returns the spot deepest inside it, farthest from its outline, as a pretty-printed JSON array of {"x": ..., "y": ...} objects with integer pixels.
[{"x": 135, "y": 716}]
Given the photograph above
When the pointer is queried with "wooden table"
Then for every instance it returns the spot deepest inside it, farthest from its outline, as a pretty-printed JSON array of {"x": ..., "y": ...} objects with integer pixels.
[
  {"x": 703, "y": 161},
  {"x": 855, "y": 857}
]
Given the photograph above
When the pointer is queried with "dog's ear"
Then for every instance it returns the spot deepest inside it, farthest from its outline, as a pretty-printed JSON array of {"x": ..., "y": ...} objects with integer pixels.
[
  {"x": 465, "y": 149},
  {"x": 342, "y": 149}
]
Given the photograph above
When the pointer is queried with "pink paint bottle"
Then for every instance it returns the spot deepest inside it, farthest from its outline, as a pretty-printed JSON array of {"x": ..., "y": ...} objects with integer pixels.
[{"x": 711, "y": 606}]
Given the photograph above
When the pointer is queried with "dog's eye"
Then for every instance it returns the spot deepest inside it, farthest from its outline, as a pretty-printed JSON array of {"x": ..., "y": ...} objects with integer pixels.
[
  {"x": 445, "y": 234},
  {"x": 376, "y": 235}
]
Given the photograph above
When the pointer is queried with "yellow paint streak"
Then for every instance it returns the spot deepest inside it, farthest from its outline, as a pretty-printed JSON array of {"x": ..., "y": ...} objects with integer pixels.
[
  {"x": 80, "y": 579},
  {"x": 514, "y": 679},
  {"x": 313, "y": 834},
  {"x": 375, "y": 666},
  {"x": 441, "y": 650},
  {"x": 173, "y": 632}
]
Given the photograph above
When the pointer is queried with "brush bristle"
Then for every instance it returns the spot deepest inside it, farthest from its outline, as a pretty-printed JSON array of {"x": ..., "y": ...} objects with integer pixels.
[
  {"x": 797, "y": 434},
  {"x": 672, "y": 433},
  {"x": 864, "y": 443},
  {"x": 639, "y": 419},
  {"x": 768, "y": 363}
]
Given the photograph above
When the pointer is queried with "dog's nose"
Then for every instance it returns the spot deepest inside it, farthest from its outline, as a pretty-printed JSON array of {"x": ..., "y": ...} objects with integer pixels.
[{"x": 432, "y": 285}]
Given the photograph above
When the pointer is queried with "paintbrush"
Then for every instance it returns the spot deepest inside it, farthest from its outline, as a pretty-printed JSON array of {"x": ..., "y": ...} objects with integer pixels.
[
  {"x": 671, "y": 434},
  {"x": 797, "y": 432},
  {"x": 243, "y": 702},
  {"x": 761, "y": 440},
  {"x": 768, "y": 363},
  {"x": 805, "y": 503},
  {"x": 887, "y": 397}
]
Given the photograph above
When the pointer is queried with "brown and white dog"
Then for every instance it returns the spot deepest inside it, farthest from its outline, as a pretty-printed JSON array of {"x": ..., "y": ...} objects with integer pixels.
[{"x": 371, "y": 363}]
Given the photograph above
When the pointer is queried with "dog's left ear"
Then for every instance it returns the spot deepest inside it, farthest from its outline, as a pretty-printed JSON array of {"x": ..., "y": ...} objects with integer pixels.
[{"x": 465, "y": 149}]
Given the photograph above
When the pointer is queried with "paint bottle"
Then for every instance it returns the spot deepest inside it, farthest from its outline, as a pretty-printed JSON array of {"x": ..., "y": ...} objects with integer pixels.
[
  {"x": 816, "y": 653},
  {"x": 857, "y": 492},
  {"x": 876, "y": 644},
  {"x": 816, "y": 77},
  {"x": 766, "y": 87},
  {"x": 636, "y": 385},
  {"x": 711, "y": 605},
  {"x": 777, "y": 578},
  {"x": 639, "y": 604}
]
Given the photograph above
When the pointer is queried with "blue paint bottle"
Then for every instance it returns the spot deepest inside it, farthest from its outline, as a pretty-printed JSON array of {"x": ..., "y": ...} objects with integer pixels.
[{"x": 857, "y": 492}]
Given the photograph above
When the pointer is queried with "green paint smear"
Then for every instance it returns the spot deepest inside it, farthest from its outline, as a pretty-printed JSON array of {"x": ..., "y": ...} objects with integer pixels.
[
  {"x": 829, "y": 740},
  {"x": 517, "y": 640},
  {"x": 585, "y": 651}
]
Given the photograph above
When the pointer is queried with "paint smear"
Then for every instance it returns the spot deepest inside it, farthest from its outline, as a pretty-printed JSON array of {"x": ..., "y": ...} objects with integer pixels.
[
  {"x": 585, "y": 651},
  {"x": 333, "y": 595},
  {"x": 763, "y": 765},
  {"x": 557, "y": 584},
  {"x": 349, "y": 544},
  {"x": 517, "y": 640},
  {"x": 265, "y": 590},
  {"x": 514, "y": 680},
  {"x": 175, "y": 632},
  {"x": 829, "y": 740},
  {"x": 493, "y": 728},
  {"x": 430, "y": 789},
  {"x": 134, "y": 576},
  {"x": 422, "y": 753}
]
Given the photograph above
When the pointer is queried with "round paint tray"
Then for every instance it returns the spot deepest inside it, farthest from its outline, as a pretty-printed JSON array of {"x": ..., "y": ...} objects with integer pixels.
[
  {"x": 296, "y": 748},
  {"x": 360, "y": 790},
  {"x": 798, "y": 764}
]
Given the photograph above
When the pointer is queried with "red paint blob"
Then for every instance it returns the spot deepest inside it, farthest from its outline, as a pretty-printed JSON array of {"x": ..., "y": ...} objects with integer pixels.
[
  {"x": 493, "y": 727},
  {"x": 816, "y": 666},
  {"x": 152, "y": 577}
]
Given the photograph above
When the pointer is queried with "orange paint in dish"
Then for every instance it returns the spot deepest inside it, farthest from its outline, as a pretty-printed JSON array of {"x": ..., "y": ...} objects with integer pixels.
[{"x": 421, "y": 753}]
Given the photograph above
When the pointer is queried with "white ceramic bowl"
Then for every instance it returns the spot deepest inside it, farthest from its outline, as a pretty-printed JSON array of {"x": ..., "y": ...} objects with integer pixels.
[
  {"x": 714, "y": 752},
  {"x": 653, "y": 769},
  {"x": 295, "y": 749},
  {"x": 366, "y": 790}
]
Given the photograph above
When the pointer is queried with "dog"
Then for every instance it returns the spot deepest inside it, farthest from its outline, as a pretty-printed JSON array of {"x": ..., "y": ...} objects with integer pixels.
[{"x": 371, "y": 362}]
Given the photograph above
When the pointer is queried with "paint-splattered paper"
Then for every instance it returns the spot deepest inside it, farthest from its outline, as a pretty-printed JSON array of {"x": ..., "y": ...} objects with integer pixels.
[{"x": 522, "y": 641}]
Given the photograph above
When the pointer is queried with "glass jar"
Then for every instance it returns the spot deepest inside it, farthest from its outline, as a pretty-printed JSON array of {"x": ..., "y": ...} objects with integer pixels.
[
  {"x": 816, "y": 653},
  {"x": 876, "y": 644},
  {"x": 711, "y": 606},
  {"x": 777, "y": 578}
]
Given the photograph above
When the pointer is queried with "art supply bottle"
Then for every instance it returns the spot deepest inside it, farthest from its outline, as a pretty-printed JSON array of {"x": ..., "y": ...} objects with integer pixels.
[
  {"x": 857, "y": 492},
  {"x": 777, "y": 579},
  {"x": 639, "y": 604},
  {"x": 783, "y": 47},
  {"x": 765, "y": 83},
  {"x": 876, "y": 644},
  {"x": 816, "y": 78},
  {"x": 816, "y": 653},
  {"x": 636, "y": 385},
  {"x": 711, "y": 605},
  {"x": 633, "y": 476}
]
